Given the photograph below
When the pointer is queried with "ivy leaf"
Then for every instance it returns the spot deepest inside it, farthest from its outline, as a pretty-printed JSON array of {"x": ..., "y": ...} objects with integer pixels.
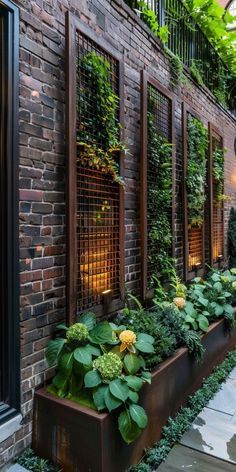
[
  {"x": 82, "y": 355},
  {"x": 138, "y": 415},
  {"x": 53, "y": 350},
  {"x": 94, "y": 351},
  {"x": 134, "y": 382},
  {"x": 203, "y": 323},
  {"x": 119, "y": 389},
  {"x": 92, "y": 379},
  {"x": 99, "y": 397},
  {"x": 129, "y": 430},
  {"x": 111, "y": 402},
  {"x": 101, "y": 333},
  {"x": 132, "y": 363},
  {"x": 89, "y": 319},
  {"x": 147, "y": 377}
]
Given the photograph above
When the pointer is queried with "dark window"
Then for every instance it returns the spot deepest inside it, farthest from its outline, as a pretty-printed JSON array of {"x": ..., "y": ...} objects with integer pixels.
[
  {"x": 9, "y": 361},
  {"x": 94, "y": 200}
]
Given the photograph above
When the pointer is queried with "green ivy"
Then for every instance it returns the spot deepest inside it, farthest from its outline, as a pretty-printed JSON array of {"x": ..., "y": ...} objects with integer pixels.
[
  {"x": 98, "y": 136},
  {"x": 196, "y": 170},
  {"x": 159, "y": 198},
  {"x": 232, "y": 238},
  {"x": 218, "y": 171},
  {"x": 177, "y": 426}
]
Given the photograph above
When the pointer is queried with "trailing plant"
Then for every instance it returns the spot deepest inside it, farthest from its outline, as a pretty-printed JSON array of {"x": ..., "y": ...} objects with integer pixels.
[
  {"x": 196, "y": 170},
  {"x": 232, "y": 238},
  {"x": 177, "y": 426},
  {"x": 98, "y": 135},
  {"x": 149, "y": 17},
  {"x": 101, "y": 365},
  {"x": 31, "y": 461},
  {"x": 196, "y": 72},
  {"x": 218, "y": 172},
  {"x": 176, "y": 69},
  {"x": 159, "y": 198}
]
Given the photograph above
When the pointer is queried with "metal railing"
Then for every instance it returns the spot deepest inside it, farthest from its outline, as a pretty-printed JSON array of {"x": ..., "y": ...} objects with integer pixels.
[{"x": 187, "y": 41}]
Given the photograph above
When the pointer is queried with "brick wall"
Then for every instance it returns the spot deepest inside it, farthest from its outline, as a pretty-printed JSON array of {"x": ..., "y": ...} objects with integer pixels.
[{"x": 42, "y": 166}]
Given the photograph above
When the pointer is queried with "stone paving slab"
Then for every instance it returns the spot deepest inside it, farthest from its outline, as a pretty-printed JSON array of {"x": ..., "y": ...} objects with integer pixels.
[
  {"x": 214, "y": 433},
  {"x": 183, "y": 458},
  {"x": 233, "y": 374},
  {"x": 225, "y": 399},
  {"x": 16, "y": 468}
]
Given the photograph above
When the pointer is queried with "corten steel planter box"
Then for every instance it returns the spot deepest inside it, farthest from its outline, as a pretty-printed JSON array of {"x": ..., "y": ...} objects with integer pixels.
[{"x": 82, "y": 440}]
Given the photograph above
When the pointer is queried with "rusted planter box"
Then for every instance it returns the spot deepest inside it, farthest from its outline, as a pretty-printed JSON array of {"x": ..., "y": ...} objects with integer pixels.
[{"x": 82, "y": 440}]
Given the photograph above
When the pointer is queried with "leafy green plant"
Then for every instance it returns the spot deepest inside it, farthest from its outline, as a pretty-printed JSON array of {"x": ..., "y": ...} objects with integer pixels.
[
  {"x": 159, "y": 197},
  {"x": 149, "y": 17},
  {"x": 31, "y": 461},
  {"x": 176, "y": 69},
  {"x": 196, "y": 72},
  {"x": 98, "y": 135},
  {"x": 196, "y": 170},
  {"x": 232, "y": 238},
  {"x": 218, "y": 171},
  {"x": 177, "y": 426},
  {"x": 102, "y": 365}
]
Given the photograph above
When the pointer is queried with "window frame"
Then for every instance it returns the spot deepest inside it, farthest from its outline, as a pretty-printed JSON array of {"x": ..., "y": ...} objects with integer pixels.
[
  {"x": 220, "y": 263},
  {"x": 147, "y": 79},
  {"x": 9, "y": 83},
  {"x": 188, "y": 275},
  {"x": 74, "y": 25}
]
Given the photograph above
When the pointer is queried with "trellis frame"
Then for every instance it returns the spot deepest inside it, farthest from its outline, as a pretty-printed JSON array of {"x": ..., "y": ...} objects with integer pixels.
[
  {"x": 146, "y": 80},
  {"x": 188, "y": 275},
  {"x": 74, "y": 25},
  {"x": 211, "y": 130}
]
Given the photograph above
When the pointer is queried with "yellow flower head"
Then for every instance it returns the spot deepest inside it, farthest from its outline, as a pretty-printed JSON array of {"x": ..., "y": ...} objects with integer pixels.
[
  {"x": 179, "y": 302},
  {"x": 127, "y": 338}
]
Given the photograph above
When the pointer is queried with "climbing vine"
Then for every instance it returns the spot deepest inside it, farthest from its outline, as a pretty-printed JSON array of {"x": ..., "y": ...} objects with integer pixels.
[
  {"x": 159, "y": 199},
  {"x": 196, "y": 170},
  {"x": 98, "y": 135},
  {"x": 218, "y": 172}
]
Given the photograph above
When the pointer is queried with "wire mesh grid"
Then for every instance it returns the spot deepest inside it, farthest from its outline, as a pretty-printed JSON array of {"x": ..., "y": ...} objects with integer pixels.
[
  {"x": 159, "y": 109},
  {"x": 218, "y": 209},
  {"x": 195, "y": 242},
  {"x": 98, "y": 197}
]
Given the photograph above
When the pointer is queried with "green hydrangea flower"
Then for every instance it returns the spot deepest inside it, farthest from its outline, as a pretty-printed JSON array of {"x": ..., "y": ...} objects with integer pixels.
[
  {"x": 77, "y": 332},
  {"x": 109, "y": 365}
]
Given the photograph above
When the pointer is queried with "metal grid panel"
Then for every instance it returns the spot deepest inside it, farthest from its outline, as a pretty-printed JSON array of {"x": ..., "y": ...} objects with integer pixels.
[
  {"x": 195, "y": 243},
  {"x": 98, "y": 197},
  {"x": 159, "y": 106},
  {"x": 218, "y": 210}
]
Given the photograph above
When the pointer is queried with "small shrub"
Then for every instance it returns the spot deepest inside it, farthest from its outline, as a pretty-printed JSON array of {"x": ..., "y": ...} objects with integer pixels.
[{"x": 30, "y": 461}]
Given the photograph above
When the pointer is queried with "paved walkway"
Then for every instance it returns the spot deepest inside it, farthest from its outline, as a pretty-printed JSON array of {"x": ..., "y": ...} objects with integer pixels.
[{"x": 210, "y": 444}]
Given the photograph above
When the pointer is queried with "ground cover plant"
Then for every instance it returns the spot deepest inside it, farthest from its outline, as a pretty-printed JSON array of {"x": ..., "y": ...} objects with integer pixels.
[
  {"x": 177, "y": 426},
  {"x": 31, "y": 461}
]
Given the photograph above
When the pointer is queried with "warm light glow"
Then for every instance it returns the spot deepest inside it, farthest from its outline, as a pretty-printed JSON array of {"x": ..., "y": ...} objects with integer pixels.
[
  {"x": 95, "y": 273},
  {"x": 194, "y": 261},
  {"x": 106, "y": 291}
]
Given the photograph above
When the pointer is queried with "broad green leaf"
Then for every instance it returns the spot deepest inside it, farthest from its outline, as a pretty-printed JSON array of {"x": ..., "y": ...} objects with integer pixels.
[
  {"x": 146, "y": 338},
  {"x": 53, "y": 350},
  {"x": 111, "y": 402},
  {"x": 62, "y": 326},
  {"x": 99, "y": 397},
  {"x": 203, "y": 301},
  {"x": 203, "y": 323},
  {"x": 101, "y": 333},
  {"x": 119, "y": 389},
  {"x": 94, "y": 351},
  {"x": 60, "y": 381},
  {"x": 65, "y": 362},
  {"x": 215, "y": 277},
  {"x": 82, "y": 355},
  {"x": 84, "y": 397},
  {"x": 144, "y": 346},
  {"x": 132, "y": 363},
  {"x": 89, "y": 319},
  {"x": 227, "y": 294},
  {"x": 92, "y": 379},
  {"x": 228, "y": 308},
  {"x": 133, "y": 396},
  {"x": 218, "y": 286},
  {"x": 134, "y": 382},
  {"x": 129, "y": 430},
  {"x": 138, "y": 415},
  {"x": 219, "y": 310},
  {"x": 147, "y": 376}
]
